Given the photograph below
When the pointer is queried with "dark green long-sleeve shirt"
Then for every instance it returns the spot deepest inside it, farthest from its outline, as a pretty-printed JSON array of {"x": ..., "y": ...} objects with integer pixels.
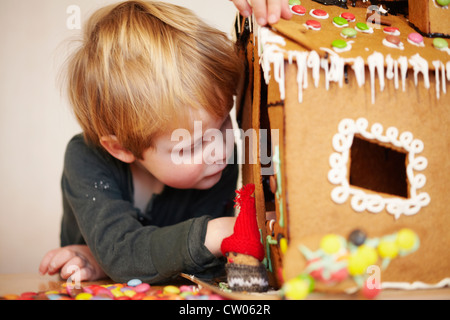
[{"x": 153, "y": 246}]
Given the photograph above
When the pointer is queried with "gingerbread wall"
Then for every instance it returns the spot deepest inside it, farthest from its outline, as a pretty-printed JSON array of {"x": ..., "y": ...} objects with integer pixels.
[{"x": 310, "y": 128}]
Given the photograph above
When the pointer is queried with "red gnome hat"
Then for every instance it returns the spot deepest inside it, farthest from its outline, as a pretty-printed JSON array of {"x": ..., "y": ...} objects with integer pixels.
[{"x": 246, "y": 236}]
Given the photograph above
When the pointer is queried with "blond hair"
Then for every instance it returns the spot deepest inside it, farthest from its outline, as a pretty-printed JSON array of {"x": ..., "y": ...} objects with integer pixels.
[{"x": 143, "y": 66}]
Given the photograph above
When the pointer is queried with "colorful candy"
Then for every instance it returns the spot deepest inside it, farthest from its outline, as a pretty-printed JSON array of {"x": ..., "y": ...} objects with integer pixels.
[
  {"x": 363, "y": 27},
  {"x": 134, "y": 289},
  {"x": 415, "y": 39},
  {"x": 340, "y": 22},
  {"x": 297, "y": 9},
  {"x": 348, "y": 33},
  {"x": 313, "y": 25},
  {"x": 350, "y": 17},
  {"x": 319, "y": 14},
  {"x": 440, "y": 43}
]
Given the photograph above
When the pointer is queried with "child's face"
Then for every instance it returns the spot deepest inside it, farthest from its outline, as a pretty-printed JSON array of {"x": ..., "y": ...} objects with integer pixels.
[{"x": 191, "y": 159}]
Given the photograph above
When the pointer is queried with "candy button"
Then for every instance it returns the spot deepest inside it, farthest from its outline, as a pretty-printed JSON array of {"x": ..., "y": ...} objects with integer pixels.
[
  {"x": 83, "y": 296},
  {"x": 443, "y": 3},
  {"x": 331, "y": 243},
  {"x": 300, "y": 10},
  {"x": 348, "y": 33},
  {"x": 134, "y": 282},
  {"x": 143, "y": 287},
  {"x": 313, "y": 24},
  {"x": 415, "y": 38},
  {"x": 440, "y": 43},
  {"x": 340, "y": 44},
  {"x": 340, "y": 22},
  {"x": 171, "y": 290},
  {"x": 387, "y": 249},
  {"x": 392, "y": 30},
  {"x": 406, "y": 239},
  {"x": 393, "y": 39},
  {"x": 318, "y": 13},
  {"x": 294, "y": 2},
  {"x": 362, "y": 26},
  {"x": 350, "y": 17}
]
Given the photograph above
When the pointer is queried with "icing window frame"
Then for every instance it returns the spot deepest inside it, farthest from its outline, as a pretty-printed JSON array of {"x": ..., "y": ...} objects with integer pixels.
[{"x": 373, "y": 202}]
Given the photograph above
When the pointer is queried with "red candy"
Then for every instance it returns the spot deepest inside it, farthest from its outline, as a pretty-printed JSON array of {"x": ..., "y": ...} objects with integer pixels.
[
  {"x": 348, "y": 16},
  {"x": 390, "y": 29},
  {"x": 319, "y": 12},
  {"x": 313, "y": 24},
  {"x": 299, "y": 9}
]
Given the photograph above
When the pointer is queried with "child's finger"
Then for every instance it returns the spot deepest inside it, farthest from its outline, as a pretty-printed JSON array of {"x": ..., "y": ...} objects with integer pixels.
[
  {"x": 45, "y": 262},
  {"x": 243, "y": 6},
  {"x": 273, "y": 11},
  {"x": 260, "y": 11},
  {"x": 72, "y": 266},
  {"x": 60, "y": 259},
  {"x": 286, "y": 12}
]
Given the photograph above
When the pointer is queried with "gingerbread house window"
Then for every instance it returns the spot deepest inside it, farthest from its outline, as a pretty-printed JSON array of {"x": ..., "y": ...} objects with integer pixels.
[
  {"x": 378, "y": 168},
  {"x": 396, "y": 188}
]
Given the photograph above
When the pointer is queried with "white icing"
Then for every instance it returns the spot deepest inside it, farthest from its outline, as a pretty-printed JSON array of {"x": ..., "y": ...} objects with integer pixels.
[
  {"x": 376, "y": 61},
  {"x": 391, "y": 45},
  {"x": 302, "y": 71},
  {"x": 310, "y": 27},
  {"x": 359, "y": 69},
  {"x": 420, "y": 65},
  {"x": 374, "y": 203},
  {"x": 403, "y": 62},
  {"x": 437, "y": 66},
  {"x": 418, "y": 44},
  {"x": 272, "y": 57}
]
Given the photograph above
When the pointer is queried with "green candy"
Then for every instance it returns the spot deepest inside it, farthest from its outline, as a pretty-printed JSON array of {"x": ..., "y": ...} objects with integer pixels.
[
  {"x": 443, "y": 2},
  {"x": 340, "y": 21},
  {"x": 349, "y": 32},
  {"x": 294, "y": 2},
  {"x": 440, "y": 43},
  {"x": 339, "y": 43},
  {"x": 362, "y": 26}
]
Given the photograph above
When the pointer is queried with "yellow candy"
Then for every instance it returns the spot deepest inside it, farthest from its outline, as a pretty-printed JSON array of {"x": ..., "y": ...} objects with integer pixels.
[
  {"x": 116, "y": 292},
  {"x": 357, "y": 264},
  {"x": 330, "y": 243},
  {"x": 83, "y": 296},
  {"x": 369, "y": 254},
  {"x": 388, "y": 249},
  {"x": 283, "y": 245},
  {"x": 406, "y": 238},
  {"x": 171, "y": 290},
  {"x": 129, "y": 293},
  {"x": 296, "y": 289}
]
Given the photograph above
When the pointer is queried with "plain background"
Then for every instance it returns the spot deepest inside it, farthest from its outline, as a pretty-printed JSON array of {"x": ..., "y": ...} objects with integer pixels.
[{"x": 36, "y": 121}]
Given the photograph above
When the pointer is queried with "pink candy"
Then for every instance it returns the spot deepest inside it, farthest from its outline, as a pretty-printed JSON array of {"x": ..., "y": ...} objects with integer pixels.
[{"x": 415, "y": 37}]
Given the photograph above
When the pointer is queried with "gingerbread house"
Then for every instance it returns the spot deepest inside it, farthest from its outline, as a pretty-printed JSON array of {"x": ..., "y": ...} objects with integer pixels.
[{"x": 355, "y": 105}]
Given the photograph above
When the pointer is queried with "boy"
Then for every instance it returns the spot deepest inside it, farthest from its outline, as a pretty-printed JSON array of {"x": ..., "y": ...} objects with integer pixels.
[{"x": 145, "y": 69}]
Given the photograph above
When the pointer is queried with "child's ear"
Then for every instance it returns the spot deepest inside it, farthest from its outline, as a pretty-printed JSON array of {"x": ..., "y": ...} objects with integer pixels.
[{"x": 114, "y": 148}]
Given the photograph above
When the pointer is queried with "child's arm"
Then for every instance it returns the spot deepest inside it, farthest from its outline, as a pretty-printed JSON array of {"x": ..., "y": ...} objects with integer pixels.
[{"x": 266, "y": 11}]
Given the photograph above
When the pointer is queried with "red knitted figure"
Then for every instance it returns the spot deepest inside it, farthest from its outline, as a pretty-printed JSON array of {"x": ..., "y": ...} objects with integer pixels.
[
  {"x": 246, "y": 238},
  {"x": 243, "y": 248}
]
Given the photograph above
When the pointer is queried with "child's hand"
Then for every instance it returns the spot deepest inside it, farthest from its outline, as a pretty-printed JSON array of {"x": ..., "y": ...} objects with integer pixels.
[
  {"x": 67, "y": 260},
  {"x": 266, "y": 11},
  {"x": 218, "y": 229}
]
